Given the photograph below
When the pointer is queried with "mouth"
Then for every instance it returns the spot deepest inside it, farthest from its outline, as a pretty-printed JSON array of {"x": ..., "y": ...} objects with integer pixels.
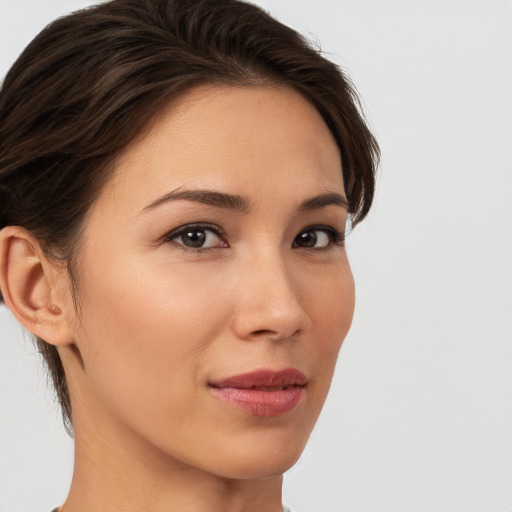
[{"x": 265, "y": 393}]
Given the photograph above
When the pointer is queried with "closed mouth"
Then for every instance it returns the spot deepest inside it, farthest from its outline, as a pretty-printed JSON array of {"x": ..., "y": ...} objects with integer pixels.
[{"x": 263, "y": 393}]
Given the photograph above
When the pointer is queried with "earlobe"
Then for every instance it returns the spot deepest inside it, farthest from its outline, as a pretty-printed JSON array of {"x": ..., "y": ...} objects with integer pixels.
[{"x": 28, "y": 287}]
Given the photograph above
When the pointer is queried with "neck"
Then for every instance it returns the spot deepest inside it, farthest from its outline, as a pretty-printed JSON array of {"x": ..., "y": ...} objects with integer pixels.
[{"x": 123, "y": 473}]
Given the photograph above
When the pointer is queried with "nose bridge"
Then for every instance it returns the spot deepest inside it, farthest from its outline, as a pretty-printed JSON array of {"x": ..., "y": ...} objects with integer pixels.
[{"x": 270, "y": 303}]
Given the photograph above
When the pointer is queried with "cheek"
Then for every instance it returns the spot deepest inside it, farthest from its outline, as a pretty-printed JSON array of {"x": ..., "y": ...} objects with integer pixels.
[
  {"x": 161, "y": 300},
  {"x": 143, "y": 333},
  {"x": 331, "y": 311},
  {"x": 333, "y": 298}
]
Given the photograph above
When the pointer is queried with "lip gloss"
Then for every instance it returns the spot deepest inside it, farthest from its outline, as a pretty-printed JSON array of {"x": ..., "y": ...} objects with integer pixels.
[
  {"x": 262, "y": 403},
  {"x": 264, "y": 393}
]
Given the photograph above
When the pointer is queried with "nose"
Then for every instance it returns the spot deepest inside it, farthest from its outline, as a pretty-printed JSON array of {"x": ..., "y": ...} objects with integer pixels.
[{"x": 268, "y": 302}]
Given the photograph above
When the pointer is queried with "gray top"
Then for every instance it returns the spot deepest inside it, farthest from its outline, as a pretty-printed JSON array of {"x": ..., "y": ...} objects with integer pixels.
[{"x": 285, "y": 509}]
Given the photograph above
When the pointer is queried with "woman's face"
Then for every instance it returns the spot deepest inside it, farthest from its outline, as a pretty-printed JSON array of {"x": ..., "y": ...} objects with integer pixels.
[{"x": 215, "y": 289}]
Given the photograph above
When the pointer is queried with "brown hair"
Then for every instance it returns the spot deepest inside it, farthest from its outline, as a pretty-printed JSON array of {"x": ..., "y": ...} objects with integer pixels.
[{"x": 90, "y": 81}]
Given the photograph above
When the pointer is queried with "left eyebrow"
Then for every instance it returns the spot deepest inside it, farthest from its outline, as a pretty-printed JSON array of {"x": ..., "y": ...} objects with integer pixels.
[
  {"x": 330, "y": 198},
  {"x": 209, "y": 197}
]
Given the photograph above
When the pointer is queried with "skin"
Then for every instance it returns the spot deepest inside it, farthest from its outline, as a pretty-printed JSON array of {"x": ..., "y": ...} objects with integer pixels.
[{"x": 159, "y": 321}]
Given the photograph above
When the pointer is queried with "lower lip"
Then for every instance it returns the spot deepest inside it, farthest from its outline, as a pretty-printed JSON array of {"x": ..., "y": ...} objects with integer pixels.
[{"x": 262, "y": 403}]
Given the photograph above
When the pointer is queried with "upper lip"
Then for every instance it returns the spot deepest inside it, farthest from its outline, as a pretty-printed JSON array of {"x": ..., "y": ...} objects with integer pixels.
[{"x": 264, "y": 378}]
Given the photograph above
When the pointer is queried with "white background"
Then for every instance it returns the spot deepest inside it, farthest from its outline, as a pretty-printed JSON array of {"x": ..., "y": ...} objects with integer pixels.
[{"x": 420, "y": 414}]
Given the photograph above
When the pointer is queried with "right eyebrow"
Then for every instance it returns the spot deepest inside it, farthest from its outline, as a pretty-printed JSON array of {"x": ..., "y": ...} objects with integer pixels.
[
  {"x": 209, "y": 197},
  {"x": 329, "y": 198}
]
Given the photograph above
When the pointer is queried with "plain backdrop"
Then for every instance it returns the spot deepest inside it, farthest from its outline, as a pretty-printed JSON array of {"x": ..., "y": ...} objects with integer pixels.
[{"x": 420, "y": 414}]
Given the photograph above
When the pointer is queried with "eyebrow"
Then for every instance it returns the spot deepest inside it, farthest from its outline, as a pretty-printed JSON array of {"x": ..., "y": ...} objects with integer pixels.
[
  {"x": 330, "y": 198},
  {"x": 240, "y": 203},
  {"x": 209, "y": 197}
]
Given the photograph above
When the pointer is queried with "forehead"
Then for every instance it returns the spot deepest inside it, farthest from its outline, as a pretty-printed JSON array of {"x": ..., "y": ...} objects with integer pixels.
[{"x": 231, "y": 138}]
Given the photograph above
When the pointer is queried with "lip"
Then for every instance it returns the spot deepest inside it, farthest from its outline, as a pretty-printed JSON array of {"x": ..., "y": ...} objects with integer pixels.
[{"x": 266, "y": 393}]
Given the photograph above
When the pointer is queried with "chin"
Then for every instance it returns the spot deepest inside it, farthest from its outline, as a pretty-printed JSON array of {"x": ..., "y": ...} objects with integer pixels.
[
  {"x": 262, "y": 459},
  {"x": 257, "y": 468}
]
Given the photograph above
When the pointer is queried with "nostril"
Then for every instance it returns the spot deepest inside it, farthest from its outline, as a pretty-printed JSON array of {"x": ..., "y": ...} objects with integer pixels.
[
  {"x": 264, "y": 332},
  {"x": 273, "y": 334}
]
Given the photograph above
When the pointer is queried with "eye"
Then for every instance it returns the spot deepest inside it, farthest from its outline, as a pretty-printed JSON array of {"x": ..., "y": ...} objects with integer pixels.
[
  {"x": 318, "y": 238},
  {"x": 197, "y": 237}
]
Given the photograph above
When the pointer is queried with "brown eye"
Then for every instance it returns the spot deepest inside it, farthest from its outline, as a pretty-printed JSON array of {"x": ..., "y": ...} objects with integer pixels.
[
  {"x": 313, "y": 238},
  {"x": 197, "y": 237}
]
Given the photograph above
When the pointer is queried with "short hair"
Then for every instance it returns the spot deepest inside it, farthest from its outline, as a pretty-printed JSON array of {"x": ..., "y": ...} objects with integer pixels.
[{"x": 90, "y": 81}]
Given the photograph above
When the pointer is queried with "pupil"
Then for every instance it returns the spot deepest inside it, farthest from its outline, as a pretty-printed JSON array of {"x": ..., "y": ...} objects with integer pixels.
[
  {"x": 194, "y": 238},
  {"x": 308, "y": 239}
]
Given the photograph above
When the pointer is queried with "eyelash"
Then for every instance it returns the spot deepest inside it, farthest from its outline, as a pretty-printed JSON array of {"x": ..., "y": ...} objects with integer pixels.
[
  {"x": 190, "y": 228},
  {"x": 336, "y": 238}
]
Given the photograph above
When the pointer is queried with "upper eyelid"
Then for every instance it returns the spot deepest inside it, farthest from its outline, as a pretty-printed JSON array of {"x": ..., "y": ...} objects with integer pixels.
[
  {"x": 196, "y": 225},
  {"x": 329, "y": 229},
  {"x": 172, "y": 235},
  {"x": 339, "y": 235}
]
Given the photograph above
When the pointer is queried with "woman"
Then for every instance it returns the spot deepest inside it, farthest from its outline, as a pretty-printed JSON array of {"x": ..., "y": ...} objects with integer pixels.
[{"x": 175, "y": 180}]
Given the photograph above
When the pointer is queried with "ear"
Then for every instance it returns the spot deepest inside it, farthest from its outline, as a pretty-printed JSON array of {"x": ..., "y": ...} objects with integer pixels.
[{"x": 28, "y": 284}]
